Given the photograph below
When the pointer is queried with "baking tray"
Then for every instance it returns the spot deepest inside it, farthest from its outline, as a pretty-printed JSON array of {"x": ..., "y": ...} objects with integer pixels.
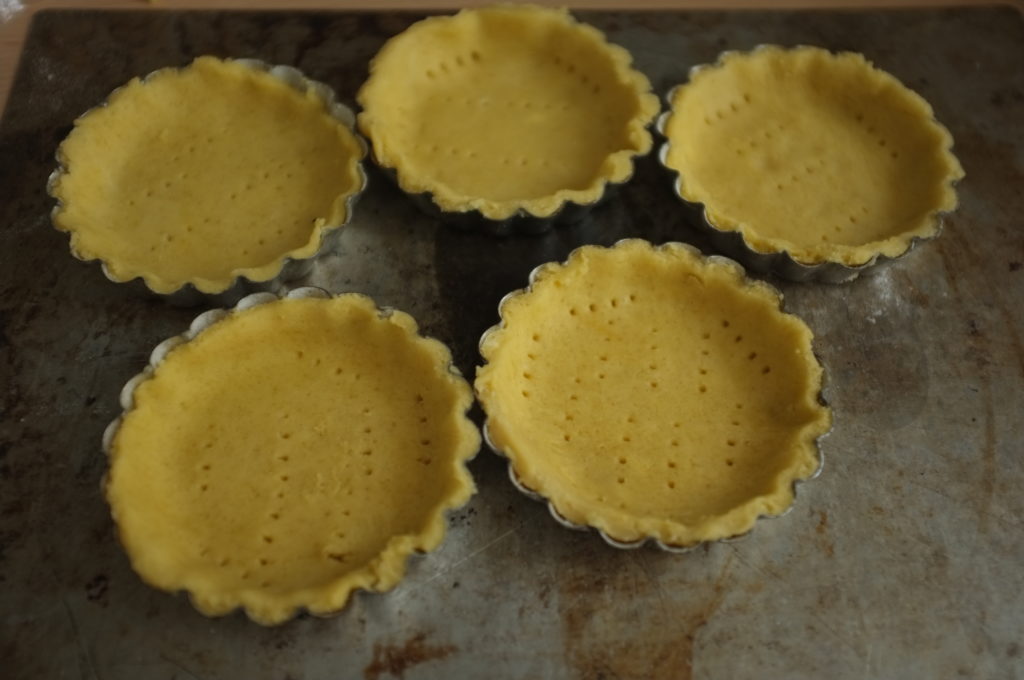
[{"x": 905, "y": 559}]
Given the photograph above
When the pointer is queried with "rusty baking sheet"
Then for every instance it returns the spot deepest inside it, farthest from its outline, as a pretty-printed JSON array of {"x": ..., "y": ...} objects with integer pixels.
[{"x": 905, "y": 559}]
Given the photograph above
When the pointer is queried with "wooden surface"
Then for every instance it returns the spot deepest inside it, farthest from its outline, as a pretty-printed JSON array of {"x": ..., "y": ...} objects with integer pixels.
[{"x": 14, "y": 28}]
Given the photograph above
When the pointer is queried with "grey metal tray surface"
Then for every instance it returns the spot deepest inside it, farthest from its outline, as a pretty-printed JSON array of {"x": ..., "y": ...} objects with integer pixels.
[{"x": 904, "y": 559}]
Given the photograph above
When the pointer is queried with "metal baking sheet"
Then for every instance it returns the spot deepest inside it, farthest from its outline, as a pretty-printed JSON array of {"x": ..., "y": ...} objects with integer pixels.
[{"x": 905, "y": 559}]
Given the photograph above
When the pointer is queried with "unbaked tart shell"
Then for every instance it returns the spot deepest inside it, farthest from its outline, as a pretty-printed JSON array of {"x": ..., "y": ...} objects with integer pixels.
[
  {"x": 507, "y": 111},
  {"x": 194, "y": 179},
  {"x": 811, "y": 164},
  {"x": 653, "y": 394},
  {"x": 281, "y": 455}
]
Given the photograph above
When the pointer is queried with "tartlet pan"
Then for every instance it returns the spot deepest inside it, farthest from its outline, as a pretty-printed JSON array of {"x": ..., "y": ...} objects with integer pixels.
[
  {"x": 321, "y": 446},
  {"x": 652, "y": 394},
  {"x": 507, "y": 118},
  {"x": 807, "y": 164},
  {"x": 184, "y": 201}
]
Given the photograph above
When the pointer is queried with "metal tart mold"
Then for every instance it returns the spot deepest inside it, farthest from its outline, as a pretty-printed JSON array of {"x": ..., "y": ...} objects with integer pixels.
[
  {"x": 734, "y": 241},
  {"x": 481, "y": 146},
  {"x": 411, "y": 546},
  {"x": 521, "y": 223},
  {"x": 650, "y": 540},
  {"x": 287, "y": 267}
]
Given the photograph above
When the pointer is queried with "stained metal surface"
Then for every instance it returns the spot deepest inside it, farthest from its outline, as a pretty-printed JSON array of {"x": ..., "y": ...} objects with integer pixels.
[{"x": 903, "y": 560}]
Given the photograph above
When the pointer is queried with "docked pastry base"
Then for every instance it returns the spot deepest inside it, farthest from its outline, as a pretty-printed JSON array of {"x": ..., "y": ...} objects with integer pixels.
[
  {"x": 782, "y": 263},
  {"x": 290, "y": 268},
  {"x": 822, "y": 398},
  {"x": 459, "y": 205},
  {"x": 389, "y": 572}
]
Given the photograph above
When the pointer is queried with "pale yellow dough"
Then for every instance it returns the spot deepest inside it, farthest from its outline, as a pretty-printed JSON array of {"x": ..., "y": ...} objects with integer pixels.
[
  {"x": 506, "y": 109},
  {"x": 289, "y": 455},
  {"x": 817, "y": 154},
  {"x": 203, "y": 174},
  {"x": 650, "y": 392}
]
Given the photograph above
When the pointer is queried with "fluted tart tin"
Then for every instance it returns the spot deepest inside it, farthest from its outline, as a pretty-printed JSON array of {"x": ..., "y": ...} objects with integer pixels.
[
  {"x": 807, "y": 164},
  {"x": 203, "y": 183},
  {"x": 653, "y": 394}
]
